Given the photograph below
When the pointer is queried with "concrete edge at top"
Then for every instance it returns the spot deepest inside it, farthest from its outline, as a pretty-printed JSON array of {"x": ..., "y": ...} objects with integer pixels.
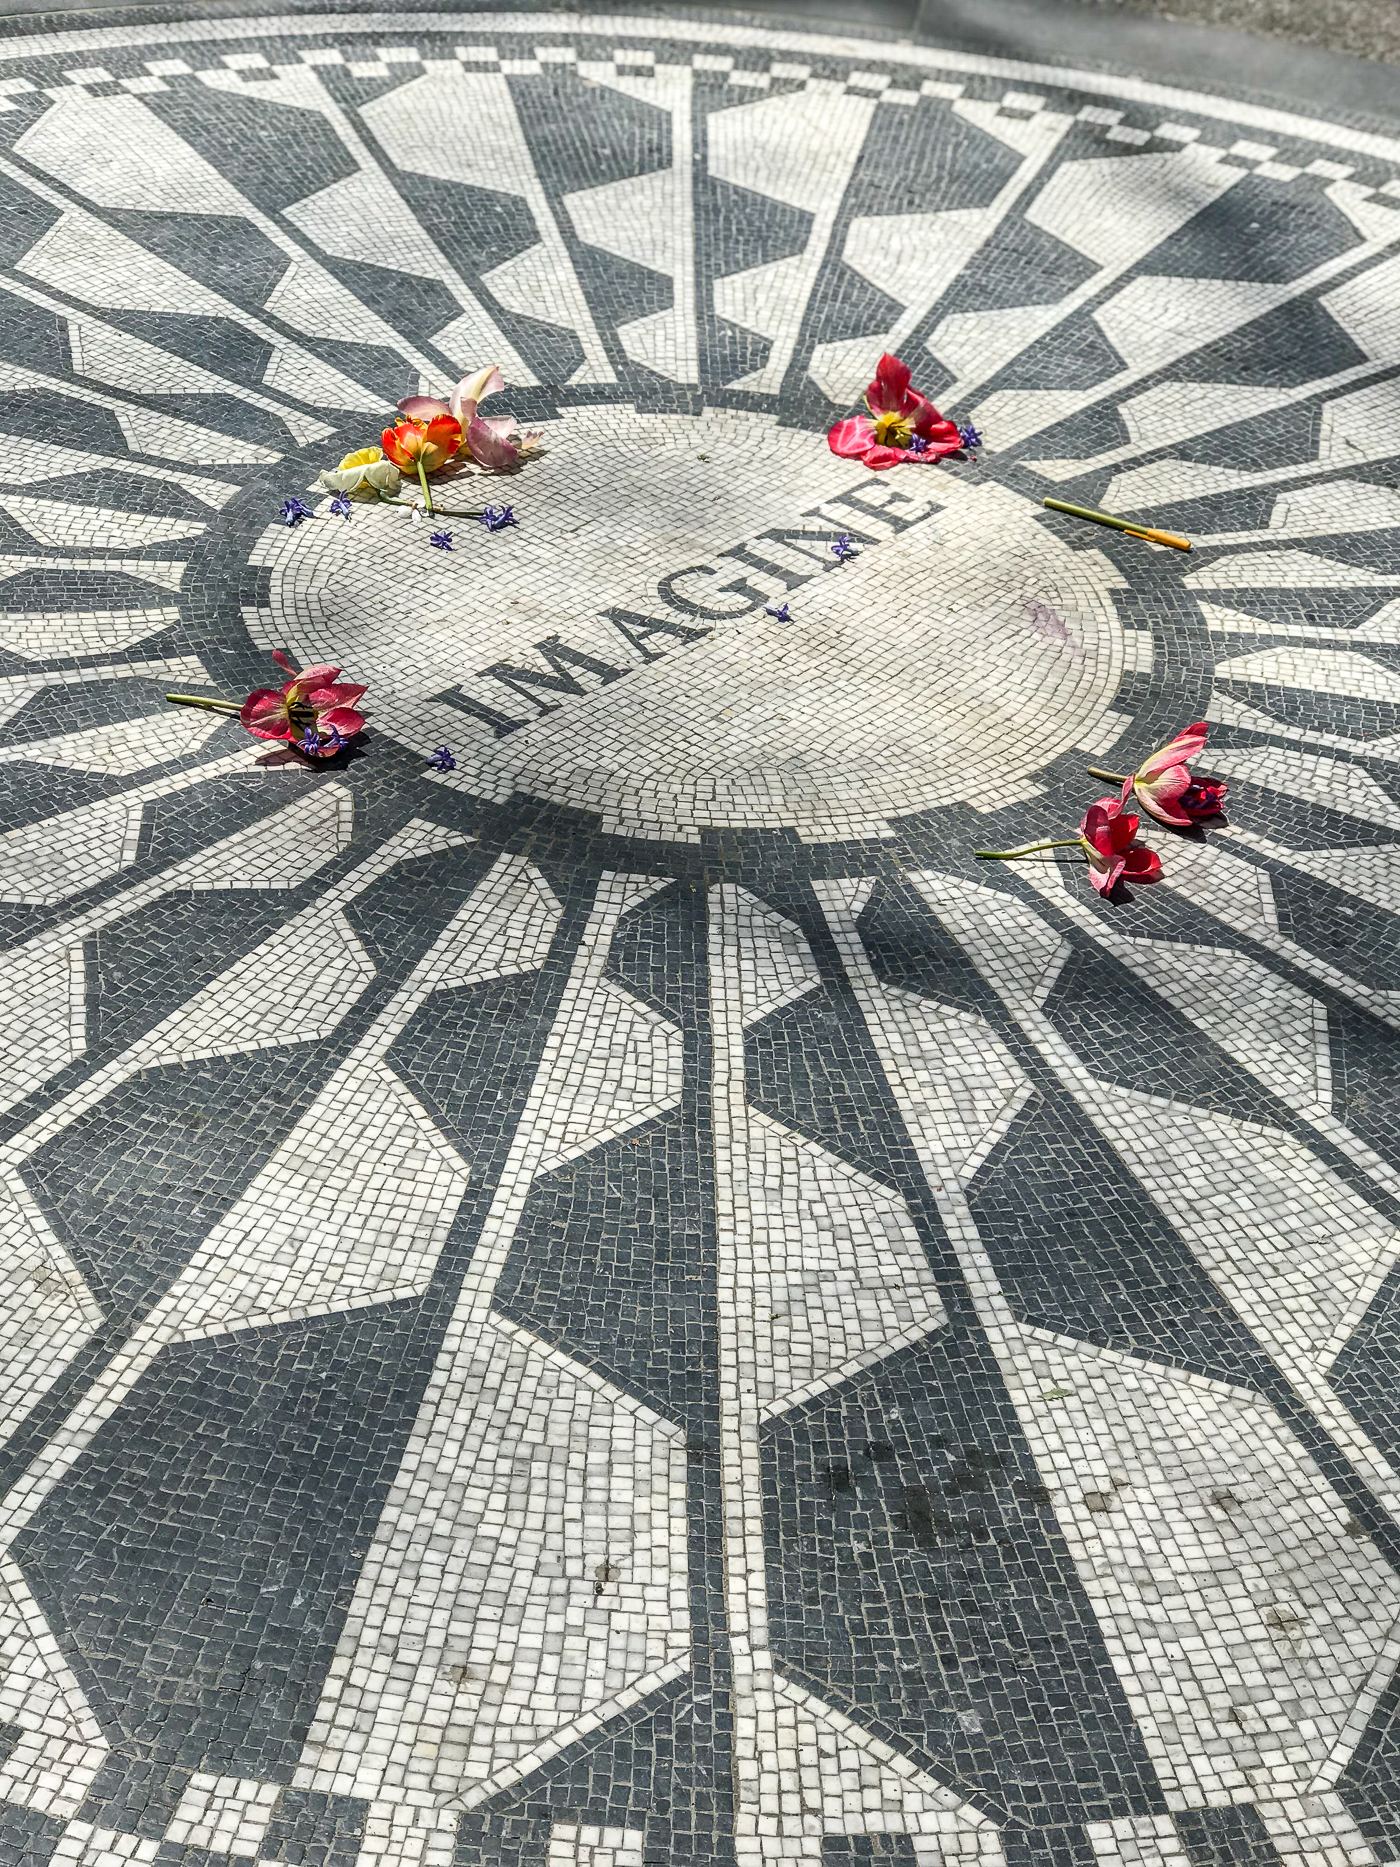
[{"x": 1275, "y": 85}]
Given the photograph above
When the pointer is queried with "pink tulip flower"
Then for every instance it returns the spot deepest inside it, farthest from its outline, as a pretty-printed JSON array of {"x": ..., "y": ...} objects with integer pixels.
[
  {"x": 1110, "y": 842},
  {"x": 492, "y": 441},
  {"x": 314, "y": 702},
  {"x": 901, "y": 425},
  {"x": 1164, "y": 783}
]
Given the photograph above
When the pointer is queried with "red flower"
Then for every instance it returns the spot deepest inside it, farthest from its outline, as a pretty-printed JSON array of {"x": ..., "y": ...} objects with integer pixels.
[
  {"x": 316, "y": 700},
  {"x": 899, "y": 416},
  {"x": 422, "y": 445},
  {"x": 492, "y": 441},
  {"x": 1203, "y": 797},
  {"x": 1165, "y": 787},
  {"x": 1109, "y": 840}
]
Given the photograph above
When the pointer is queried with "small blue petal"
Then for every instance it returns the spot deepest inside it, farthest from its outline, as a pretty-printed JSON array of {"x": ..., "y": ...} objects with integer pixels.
[
  {"x": 495, "y": 518},
  {"x": 442, "y": 760},
  {"x": 443, "y": 540},
  {"x": 843, "y": 548},
  {"x": 970, "y": 437},
  {"x": 294, "y": 511},
  {"x": 341, "y": 507},
  {"x": 779, "y": 612}
]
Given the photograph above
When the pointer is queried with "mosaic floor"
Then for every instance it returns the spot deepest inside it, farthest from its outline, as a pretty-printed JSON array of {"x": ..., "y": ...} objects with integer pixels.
[{"x": 630, "y": 1302}]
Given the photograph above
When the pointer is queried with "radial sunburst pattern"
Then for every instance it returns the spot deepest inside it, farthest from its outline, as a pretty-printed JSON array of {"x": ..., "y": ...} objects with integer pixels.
[{"x": 627, "y": 1300}]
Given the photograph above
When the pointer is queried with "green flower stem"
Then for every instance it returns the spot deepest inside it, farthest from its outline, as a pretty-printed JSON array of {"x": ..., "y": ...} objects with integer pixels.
[
  {"x": 198, "y": 700},
  {"x": 445, "y": 512},
  {"x": 1009, "y": 855},
  {"x": 423, "y": 482},
  {"x": 1112, "y": 777}
]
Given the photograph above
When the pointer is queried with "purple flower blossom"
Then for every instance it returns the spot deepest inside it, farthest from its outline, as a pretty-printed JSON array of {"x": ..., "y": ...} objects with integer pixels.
[
  {"x": 442, "y": 760},
  {"x": 496, "y": 518},
  {"x": 779, "y": 612},
  {"x": 314, "y": 746},
  {"x": 340, "y": 506},
  {"x": 443, "y": 540},
  {"x": 295, "y": 510},
  {"x": 970, "y": 437},
  {"x": 918, "y": 444},
  {"x": 843, "y": 548}
]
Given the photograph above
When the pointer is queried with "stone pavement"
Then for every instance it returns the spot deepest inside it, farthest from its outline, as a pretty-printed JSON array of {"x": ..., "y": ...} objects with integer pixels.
[{"x": 628, "y": 1301}]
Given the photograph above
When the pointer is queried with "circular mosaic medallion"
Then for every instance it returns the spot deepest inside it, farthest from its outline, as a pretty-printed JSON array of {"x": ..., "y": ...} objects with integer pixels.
[
  {"x": 958, "y": 649},
  {"x": 543, "y": 1286}
]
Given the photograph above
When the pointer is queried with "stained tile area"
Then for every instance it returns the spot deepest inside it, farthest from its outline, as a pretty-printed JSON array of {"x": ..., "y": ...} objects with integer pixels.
[{"x": 581, "y": 1284}]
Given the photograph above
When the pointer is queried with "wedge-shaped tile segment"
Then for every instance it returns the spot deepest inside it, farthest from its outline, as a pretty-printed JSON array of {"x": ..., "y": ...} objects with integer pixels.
[
  {"x": 1251, "y": 1628},
  {"x": 44, "y": 983},
  {"x": 1333, "y": 783},
  {"x": 1368, "y": 870},
  {"x": 123, "y": 748},
  {"x": 532, "y": 1566},
  {"x": 628, "y": 1069},
  {"x": 848, "y": 1782},
  {"x": 513, "y": 920},
  {"x": 463, "y": 126},
  {"x": 41, "y": 634},
  {"x": 353, "y": 1208},
  {"x": 1271, "y": 1026},
  {"x": 1297, "y": 1252},
  {"x": 294, "y": 988},
  {"x": 46, "y": 1310},
  {"x": 93, "y": 528},
  {"x": 957, "y": 1084},
  {"x": 61, "y": 1746},
  {"x": 1277, "y": 570},
  {"x": 774, "y": 962},
  {"x": 1319, "y": 670},
  {"x": 837, "y": 1275},
  {"x": 800, "y": 148}
]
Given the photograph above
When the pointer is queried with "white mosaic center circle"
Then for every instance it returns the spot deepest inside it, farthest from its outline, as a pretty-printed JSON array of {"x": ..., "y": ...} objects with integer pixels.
[{"x": 615, "y": 654}]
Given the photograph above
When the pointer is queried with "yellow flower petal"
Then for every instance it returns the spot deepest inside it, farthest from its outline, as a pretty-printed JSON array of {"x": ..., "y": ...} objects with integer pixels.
[{"x": 363, "y": 457}]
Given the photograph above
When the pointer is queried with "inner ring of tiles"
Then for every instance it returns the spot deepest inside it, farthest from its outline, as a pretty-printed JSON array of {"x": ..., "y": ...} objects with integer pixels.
[{"x": 629, "y": 1301}]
